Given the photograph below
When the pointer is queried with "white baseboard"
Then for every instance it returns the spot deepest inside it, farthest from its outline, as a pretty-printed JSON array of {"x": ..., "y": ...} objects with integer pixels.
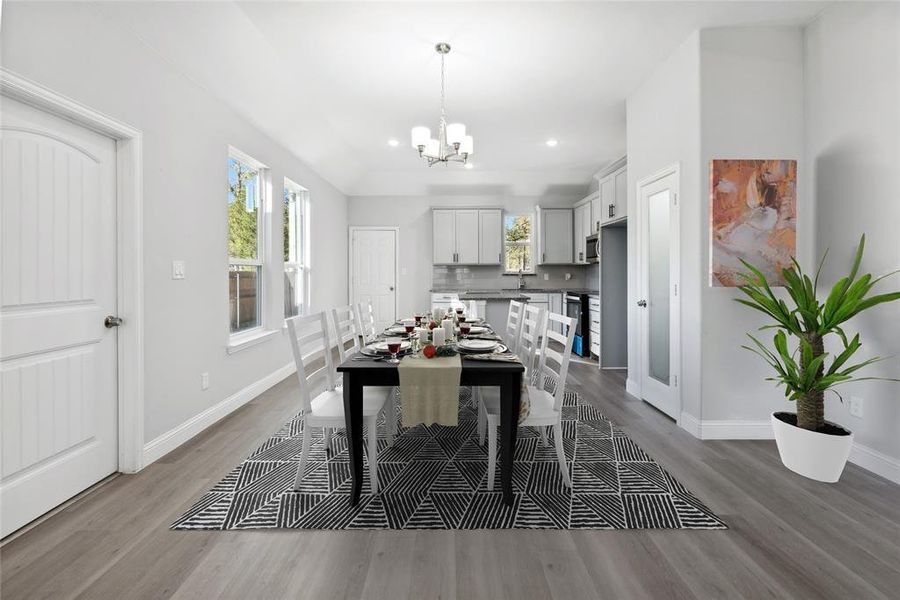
[
  {"x": 162, "y": 445},
  {"x": 860, "y": 455},
  {"x": 875, "y": 461},
  {"x": 632, "y": 387}
]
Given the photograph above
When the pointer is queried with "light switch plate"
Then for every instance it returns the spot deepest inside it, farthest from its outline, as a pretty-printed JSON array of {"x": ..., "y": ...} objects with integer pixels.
[
  {"x": 546, "y": 276},
  {"x": 204, "y": 381},
  {"x": 178, "y": 269}
]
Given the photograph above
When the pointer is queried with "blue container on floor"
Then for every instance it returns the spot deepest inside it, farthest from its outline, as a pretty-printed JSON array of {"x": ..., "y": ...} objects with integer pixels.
[{"x": 577, "y": 345}]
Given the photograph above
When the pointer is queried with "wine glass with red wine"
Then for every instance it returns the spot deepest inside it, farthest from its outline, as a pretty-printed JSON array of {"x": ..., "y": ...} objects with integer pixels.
[{"x": 393, "y": 345}]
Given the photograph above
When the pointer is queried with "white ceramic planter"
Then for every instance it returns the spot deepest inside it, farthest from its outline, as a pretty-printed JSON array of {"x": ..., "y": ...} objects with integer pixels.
[{"x": 814, "y": 455}]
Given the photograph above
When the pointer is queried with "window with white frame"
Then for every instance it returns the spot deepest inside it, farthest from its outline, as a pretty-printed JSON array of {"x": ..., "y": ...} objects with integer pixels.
[
  {"x": 295, "y": 234},
  {"x": 518, "y": 243},
  {"x": 246, "y": 219}
]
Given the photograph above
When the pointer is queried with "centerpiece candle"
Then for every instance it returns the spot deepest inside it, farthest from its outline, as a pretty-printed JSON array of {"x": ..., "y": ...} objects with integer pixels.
[
  {"x": 439, "y": 336},
  {"x": 448, "y": 326}
]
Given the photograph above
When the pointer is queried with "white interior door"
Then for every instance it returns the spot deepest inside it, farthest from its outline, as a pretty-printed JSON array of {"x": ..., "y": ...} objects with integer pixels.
[
  {"x": 659, "y": 279},
  {"x": 373, "y": 272},
  {"x": 58, "y": 412}
]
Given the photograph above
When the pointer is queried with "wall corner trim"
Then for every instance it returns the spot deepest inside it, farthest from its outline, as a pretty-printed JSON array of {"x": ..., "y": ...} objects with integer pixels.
[
  {"x": 175, "y": 437},
  {"x": 632, "y": 387},
  {"x": 690, "y": 423}
]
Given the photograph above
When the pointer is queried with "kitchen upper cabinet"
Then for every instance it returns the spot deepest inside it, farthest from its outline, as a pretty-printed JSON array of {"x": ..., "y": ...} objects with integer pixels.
[
  {"x": 444, "y": 236},
  {"x": 490, "y": 240},
  {"x": 555, "y": 236},
  {"x": 614, "y": 196},
  {"x": 595, "y": 213},
  {"x": 582, "y": 227},
  {"x": 467, "y": 236}
]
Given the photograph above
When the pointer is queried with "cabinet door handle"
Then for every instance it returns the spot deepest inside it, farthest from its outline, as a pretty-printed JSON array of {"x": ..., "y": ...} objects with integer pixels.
[{"x": 543, "y": 256}]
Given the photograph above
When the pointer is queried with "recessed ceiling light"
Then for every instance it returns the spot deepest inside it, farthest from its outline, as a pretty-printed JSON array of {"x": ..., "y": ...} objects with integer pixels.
[
  {"x": 393, "y": 143},
  {"x": 470, "y": 166},
  {"x": 552, "y": 142}
]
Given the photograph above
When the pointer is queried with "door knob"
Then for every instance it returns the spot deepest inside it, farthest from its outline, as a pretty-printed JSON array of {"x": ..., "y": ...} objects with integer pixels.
[
  {"x": 111, "y": 321},
  {"x": 391, "y": 288},
  {"x": 642, "y": 303}
]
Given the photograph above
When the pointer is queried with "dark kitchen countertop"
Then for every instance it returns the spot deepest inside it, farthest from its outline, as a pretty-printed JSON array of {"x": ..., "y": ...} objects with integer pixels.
[{"x": 510, "y": 294}]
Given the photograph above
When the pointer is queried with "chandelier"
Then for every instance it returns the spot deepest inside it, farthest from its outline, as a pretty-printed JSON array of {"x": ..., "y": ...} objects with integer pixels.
[{"x": 452, "y": 144}]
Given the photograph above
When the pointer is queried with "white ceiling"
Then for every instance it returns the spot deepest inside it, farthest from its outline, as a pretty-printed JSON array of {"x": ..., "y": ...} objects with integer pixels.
[{"x": 334, "y": 81}]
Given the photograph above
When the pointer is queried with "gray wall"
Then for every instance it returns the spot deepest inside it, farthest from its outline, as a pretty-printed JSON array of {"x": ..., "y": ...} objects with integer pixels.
[
  {"x": 751, "y": 95},
  {"x": 853, "y": 148},
  {"x": 74, "y": 50},
  {"x": 614, "y": 297}
]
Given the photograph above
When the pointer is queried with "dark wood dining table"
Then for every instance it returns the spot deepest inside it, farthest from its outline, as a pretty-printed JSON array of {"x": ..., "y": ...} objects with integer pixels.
[{"x": 505, "y": 375}]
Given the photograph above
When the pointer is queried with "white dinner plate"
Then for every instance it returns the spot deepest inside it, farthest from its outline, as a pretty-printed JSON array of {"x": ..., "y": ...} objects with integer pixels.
[
  {"x": 476, "y": 330},
  {"x": 473, "y": 320},
  {"x": 383, "y": 346},
  {"x": 478, "y": 345}
]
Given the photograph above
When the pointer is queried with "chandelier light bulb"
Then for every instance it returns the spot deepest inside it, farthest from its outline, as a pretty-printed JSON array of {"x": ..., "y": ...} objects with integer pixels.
[
  {"x": 420, "y": 136},
  {"x": 456, "y": 133},
  {"x": 467, "y": 146}
]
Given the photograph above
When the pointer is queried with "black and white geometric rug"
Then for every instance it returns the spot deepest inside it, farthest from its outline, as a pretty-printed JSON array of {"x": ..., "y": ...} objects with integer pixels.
[{"x": 435, "y": 478}]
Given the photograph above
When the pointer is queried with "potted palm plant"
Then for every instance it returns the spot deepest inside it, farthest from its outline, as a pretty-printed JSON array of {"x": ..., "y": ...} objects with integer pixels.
[{"x": 807, "y": 443}]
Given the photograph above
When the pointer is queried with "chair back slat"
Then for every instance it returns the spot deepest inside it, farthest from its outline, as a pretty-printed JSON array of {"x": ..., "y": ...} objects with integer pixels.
[
  {"x": 559, "y": 357},
  {"x": 513, "y": 325},
  {"x": 309, "y": 343},
  {"x": 346, "y": 330},
  {"x": 365, "y": 319},
  {"x": 532, "y": 330},
  {"x": 472, "y": 309}
]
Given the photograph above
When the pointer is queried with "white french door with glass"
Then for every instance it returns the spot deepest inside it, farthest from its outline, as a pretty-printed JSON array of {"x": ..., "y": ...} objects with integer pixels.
[
  {"x": 659, "y": 278},
  {"x": 58, "y": 354},
  {"x": 373, "y": 271}
]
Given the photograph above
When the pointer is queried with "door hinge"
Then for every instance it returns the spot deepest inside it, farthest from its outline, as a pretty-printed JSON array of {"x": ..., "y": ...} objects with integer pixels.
[
  {"x": 675, "y": 199},
  {"x": 676, "y": 289},
  {"x": 675, "y": 377}
]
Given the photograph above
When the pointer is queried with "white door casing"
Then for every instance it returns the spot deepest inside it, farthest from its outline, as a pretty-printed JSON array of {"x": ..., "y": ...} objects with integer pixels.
[
  {"x": 58, "y": 363},
  {"x": 373, "y": 270},
  {"x": 658, "y": 281}
]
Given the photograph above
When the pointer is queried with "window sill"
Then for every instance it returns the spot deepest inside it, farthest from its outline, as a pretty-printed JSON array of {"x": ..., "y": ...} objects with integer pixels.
[{"x": 242, "y": 341}]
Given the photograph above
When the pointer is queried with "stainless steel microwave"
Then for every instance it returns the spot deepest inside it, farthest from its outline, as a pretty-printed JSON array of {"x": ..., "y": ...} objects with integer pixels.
[{"x": 593, "y": 248}]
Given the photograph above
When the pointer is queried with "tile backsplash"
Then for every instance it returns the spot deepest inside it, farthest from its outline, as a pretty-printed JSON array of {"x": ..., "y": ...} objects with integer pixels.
[{"x": 477, "y": 277}]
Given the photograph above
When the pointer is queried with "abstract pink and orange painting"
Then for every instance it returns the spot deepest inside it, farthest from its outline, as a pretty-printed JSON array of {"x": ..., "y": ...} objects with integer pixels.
[{"x": 753, "y": 216}]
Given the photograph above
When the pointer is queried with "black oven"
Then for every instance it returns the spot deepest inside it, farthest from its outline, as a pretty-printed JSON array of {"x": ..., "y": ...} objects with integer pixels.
[{"x": 577, "y": 308}]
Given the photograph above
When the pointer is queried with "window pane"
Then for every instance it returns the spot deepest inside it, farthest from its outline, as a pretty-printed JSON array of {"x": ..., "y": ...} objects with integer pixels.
[
  {"x": 518, "y": 228},
  {"x": 243, "y": 297},
  {"x": 518, "y": 258},
  {"x": 293, "y": 292},
  {"x": 243, "y": 205}
]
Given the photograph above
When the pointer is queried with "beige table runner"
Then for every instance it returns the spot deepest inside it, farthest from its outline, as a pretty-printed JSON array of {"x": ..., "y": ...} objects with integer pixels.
[{"x": 429, "y": 390}]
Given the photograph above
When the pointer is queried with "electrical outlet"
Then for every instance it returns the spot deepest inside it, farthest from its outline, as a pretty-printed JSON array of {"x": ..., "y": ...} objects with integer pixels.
[
  {"x": 856, "y": 407},
  {"x": 204, "y": 381},
  {"x": 178, "y": 269},
  {"x": 546, "y": 276}
]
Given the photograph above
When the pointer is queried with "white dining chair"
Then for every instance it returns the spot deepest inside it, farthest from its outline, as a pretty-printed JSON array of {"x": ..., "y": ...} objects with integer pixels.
[
  {"x": 531, "y": 332},
  {"x": 365, "y": 321},
  {"x": 472, "y": 309},
  {"x": 513, "y": 323},
  {"x": 311, "y": 344},
  {"x": 347, "y": 336},
  {"x": 546, "y": 408}
]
